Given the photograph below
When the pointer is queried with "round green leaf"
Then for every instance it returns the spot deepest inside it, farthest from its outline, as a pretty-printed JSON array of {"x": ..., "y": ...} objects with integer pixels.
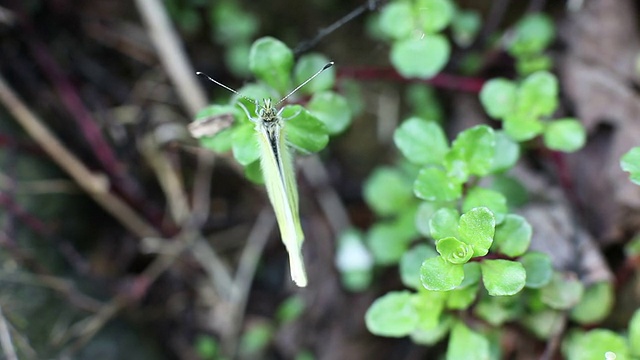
[
  {"x": 387, "y": 243},
  {"x": 460, "y": 299},
  {"x": 512, "y": 189},
  {"x": 566, "y": 135},
  {"x": 539, "y": 269},
  {"x": 429, "y": 306},
  {"x": 513, "y": 236},
  {"x": 231, "y": 23},
  {"x": 495, "y": 201},
  {"x": 562, "y": 293},
  {"x": 498, "y": 96},
  {"x": 595, "y": 305},
  {"x": 396, "y": 20},
  {"x": 465, "y": 344},
  {"x": 257, "y": 92},
  {"x": 304, "y": 131},
  {"x": 433, "y": 15},
  {"x": 634, "y": 333},
  {"x": 253, "y": 172},
  {"x": 426, "y": 209},
  {"x": 354, "y": 261},
  {"x": 332, "y": 109},
  {"x": 471, "y": 153},
  {"x": 307, "y": 66},
  {"x": 420, "y": 58},
  {"x": 544, "y": 323},
  {"x": 531, "y": 35},
  {"x": 271, "y": 61},
  {"x": 507, "y": 153},
  {"x": 245, "y": 144},
  {"x": 392, "y": 315},
  {"x": 630, "y": 162},
  {"x": 387, "y": 191},
  {"x": 597, "y": 344},
  {"x": 432, "y": 336},
  {"x": 437, "y": 274},
  {"x": 503, "y": 277},
  {"x": 498, "y": 310},
  {"x": 454, "y": 250},
  {"x": 444, "y": 223},
  {"x": 433, "y": 184},
  {"x": 537, "y": 95},
  {"x": 530, "y": 64},
  {"x": 421, "y": 142},
  {"x": 465, "y": 26},
  {"x": 221, "y": 142},
  {"x": 410, "y": 264},
  {"x": 476, "y": 228}
]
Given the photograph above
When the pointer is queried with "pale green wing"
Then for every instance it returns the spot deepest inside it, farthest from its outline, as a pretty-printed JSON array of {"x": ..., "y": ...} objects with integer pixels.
[{"x": 279, "y": 178}]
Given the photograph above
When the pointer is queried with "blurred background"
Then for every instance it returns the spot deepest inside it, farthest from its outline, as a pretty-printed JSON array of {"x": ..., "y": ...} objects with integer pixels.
[{"x": 121, "y": 238}]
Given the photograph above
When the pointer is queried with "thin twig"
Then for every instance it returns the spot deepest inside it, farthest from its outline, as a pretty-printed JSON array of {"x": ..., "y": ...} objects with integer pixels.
[
  {"x": 5, "y": 339},
  {"x": 96, "y": 185}
]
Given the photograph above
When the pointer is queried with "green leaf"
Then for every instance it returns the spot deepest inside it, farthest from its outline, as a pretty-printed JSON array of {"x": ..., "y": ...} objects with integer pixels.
[
  {"x": 444, "y": 223},
  {"x": 387, "y": 191},
  {"x": 354, "y": 261},
  {"x": 396, "y": 20},
  {"x": 245, "y": 144},
  {"x": 465, "y": 26},
  {"x": 465, "y": 344},
  {"x": 498, "y": 310},
  {"x": 595, "y": 305},
  {"x": 307, "y": 66},
  {"x": 562, "y": 293},
  {"x": 411, "y": 262},
  {"x": 387, "y": 243},
  {"x": 290, "y": 309},
  {"x": 471, "y": 153},
  {"x": 392, "y": 315},
  {"x": 421, "y": 142},
  {"x": 231, "y": 23},
  {"x": 257, "y": 92},
  {"x": 433, "y": 15},
  {"x": 424, "y": 102},
  {"x": 522, "y": 128},
  {"x": 429, "y": 306},
  {"x": 303, "y": 131},
  {"x": 513, "y": 236},
  {"x": 437, "y": 274},
  {"x": 423, "y": 217},
  {"x": 531, "y": 35},
  {"x": 507, "y": 153},
  {"x": 538, "y": 95},
  {"x": 432, "y": 336},
  {"x": 271, "y": 61},
  {"x": 433, "y": 184},
  {"x": 545, "y": 323},
  {"x": 539, "y": 269},
  {"x": 255, "y": 339},
  {"x": 512, "y": 189},
  {"x": 460, "y": 299},
  {"x": 530, "y": 64},
  {"x": 332, "y": 109},
  {"x": 477, "y": 227},
  {"x": 222, "y": 142},
  {"x": 454, "y": 250},
  {"x": 597, "y": 344},
  {"x": 498, "y": 97},
  {"x": 503, "y": 277},
  {"x": 495, "y": 201},
  {"x": 420, "y": 58},
  {"x": 634, "y": 333},
  {"x": 630, "y": 162},
  {"x": 471, "y": 275},
  {"x": 566, "y": 135}
]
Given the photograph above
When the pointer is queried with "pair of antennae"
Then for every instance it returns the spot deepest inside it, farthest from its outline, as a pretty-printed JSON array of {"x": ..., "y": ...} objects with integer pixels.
[{"x": 328, "y": 65}]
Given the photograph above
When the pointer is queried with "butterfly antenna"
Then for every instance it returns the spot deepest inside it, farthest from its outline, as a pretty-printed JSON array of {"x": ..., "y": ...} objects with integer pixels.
[
  {"x": 328, "y": 65},
  {"x": 253, "y": 101}
]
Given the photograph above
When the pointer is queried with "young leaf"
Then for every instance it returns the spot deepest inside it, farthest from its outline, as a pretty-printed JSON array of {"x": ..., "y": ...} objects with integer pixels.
[
  {"x": 477, "y": 227},
  {"x": 387, "y": 191},
  {"x": 454, "y": 250},
  {"x": 513, "y": 236},
  {"x": 444, "y": 223},
  {"x": 429, "y": 306},
  {"x": 411, "y": 262},
  {"x": 332, "y": 109},
  {"x": 544, "y": 323},
  {"x": 437, "y": 274},
  {"x": 433, "y": 184},
  {"x": 354, "y": 261},
  {"x": 566, "y": 135},
  {"x": 595, "y": 305},
  {"x": 465, "y": 26},
  {"x": 433, "y": 15},
  {"x": 392, "y": 315},
  {"x": 221, "y": 142},
  {"x": 507, "y": 153},
  {"x": 271, "y": 61},
  {"x": 597, "y": 344},
  {"x": 396, "y": 20},
  {"x": 538, "y": 95},
  {"x": 421, "y": 142},
  {"x": 491, "y": 199},
  {"x": 531, "y": 35},
  {"x": 307, "y": 66},
  {"x": 562, "y": 293},
  {"x": 503, "y": 277},
  {"x": 539, "y": 269},
  {"x": 303, "y": 131},
  {"x": 630, "y": 163},
  {"x": 253, "y": 172},
  {"x": 498, "y": 97},
  {"x": 387, "y": 243},
  {"x": 498, "y": 310},
  {"x": 471, "y": 152},
  {"x": 466, "y": 344},
  {"x": 634, "y": 333},
  {"x": 460, "y": 299},
  {"x": 245, "y": 144},
  {"x": 420, "y": 58},
  {"x": 426, "y": 209},
  {"x": 522, "y": 127},
  {"x": 432, "y": 336}
]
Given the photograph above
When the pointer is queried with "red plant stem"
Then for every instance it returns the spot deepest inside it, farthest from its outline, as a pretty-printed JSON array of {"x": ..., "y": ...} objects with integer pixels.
[{"x": 445, "y": 81}]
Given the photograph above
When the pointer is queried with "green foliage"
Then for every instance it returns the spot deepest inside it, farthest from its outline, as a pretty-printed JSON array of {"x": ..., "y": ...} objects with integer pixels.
[
  {"x": 595, "y": 305},
  {"x": 421, "y": 142},
  {"x": 307, "y": 129},
  {"x": 528, "y": 41},
  {"x": 630, "y": 163},
  {"x": 596, "y": 344},
  {"x": 503, "y": 277},
  {"x": 392, "y": 315},
  {"x": 466, "y": 344},
  {"x": 354, "y": 261},
  {"x": 386, "y": 191},
  {"x": 562, "y": 293},
  {"x": 634, "y": 334}
]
